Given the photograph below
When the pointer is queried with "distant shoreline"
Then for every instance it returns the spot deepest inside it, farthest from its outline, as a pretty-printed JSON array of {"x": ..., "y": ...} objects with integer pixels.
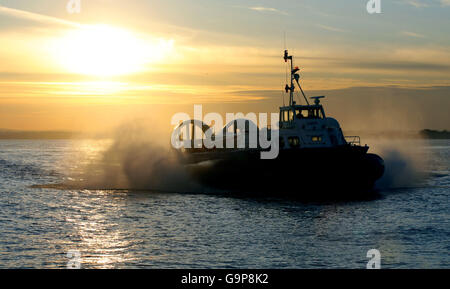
[
  {"x": 422, "y": 134},
  {"x": 49, "y": 135},
  {"x": 435, "y": 134},
  {"x": 13, "y": 134},
  {"x": 6, "y": 134}
]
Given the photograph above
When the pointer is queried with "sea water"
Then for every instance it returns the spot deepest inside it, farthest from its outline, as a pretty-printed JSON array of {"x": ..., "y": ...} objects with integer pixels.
[{"x": 125, "y": 227}]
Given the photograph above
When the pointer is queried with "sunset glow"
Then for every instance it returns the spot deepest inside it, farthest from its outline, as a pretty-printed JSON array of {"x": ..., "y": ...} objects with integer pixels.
[
  {"x": 102, "y": 50},
  {"x": 135, "y": 55}
]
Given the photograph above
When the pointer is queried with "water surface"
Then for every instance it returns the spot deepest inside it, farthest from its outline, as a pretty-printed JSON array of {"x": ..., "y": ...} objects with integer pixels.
[{"x": 154, "y": 229}]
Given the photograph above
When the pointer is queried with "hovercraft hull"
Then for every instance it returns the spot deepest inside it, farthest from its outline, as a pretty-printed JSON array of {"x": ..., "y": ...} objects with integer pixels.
[{"x": 294, "y": 171}]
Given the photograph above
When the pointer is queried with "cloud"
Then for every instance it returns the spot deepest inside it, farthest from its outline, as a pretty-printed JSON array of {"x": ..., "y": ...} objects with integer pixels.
[
  {"x": 330, "y": 28},
  {"x": 268, "y": 9},
  {"x": 420, "y": 4},
  {"x": 35, "y": 17},
  {"x": 397, "y": 65},
  {"x": 413, "y": 34},
  {"x": 398, "y": 108},
  {"x": 417, "y": 3}
]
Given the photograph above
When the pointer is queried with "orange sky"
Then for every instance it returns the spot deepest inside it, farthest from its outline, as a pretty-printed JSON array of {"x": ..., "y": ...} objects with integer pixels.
[{"x": 114, "y": 62}]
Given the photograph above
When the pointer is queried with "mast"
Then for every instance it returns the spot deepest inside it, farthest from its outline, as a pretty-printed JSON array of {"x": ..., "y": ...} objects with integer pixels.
[
  {"x": 294, "y": 76},
  {"x": 290, "y": 88}
]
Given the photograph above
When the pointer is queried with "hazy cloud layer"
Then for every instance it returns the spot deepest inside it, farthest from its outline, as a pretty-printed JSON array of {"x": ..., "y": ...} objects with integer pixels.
[{"x": 225, "y": 55}]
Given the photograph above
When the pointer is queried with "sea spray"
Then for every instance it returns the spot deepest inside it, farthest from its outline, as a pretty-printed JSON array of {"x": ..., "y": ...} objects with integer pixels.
[
  {"x": 137, "y": 159},
  {"x": 405, "y": 162}
]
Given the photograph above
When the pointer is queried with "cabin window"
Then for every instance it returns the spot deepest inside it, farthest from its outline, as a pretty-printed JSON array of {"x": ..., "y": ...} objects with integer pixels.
[
  {"x": 301, "y": 113},
  {"x": 294, "y": 141},
  {"x": 308, "y": 113},
  {"x": 316, "y": 138},
  {"x": 285, "y": 115},
  {"x": 291, "y": 115}
]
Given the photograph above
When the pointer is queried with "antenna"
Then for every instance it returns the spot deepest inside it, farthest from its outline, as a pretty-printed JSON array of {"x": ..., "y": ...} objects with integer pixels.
[
  {"x": 317, "y": 99},
  {"x": 294, "y": 76}
]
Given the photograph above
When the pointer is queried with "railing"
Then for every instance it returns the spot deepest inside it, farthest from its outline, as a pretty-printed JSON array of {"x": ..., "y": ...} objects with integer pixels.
[{"x": 353, "y": 140}]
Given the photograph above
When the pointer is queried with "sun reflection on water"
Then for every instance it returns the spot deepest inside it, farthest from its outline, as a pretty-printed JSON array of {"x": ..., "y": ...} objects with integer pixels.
[{"x": 100, "y": 239}]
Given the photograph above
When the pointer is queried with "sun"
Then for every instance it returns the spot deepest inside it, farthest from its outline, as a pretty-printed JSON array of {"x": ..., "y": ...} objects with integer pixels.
[{"x": 104, "y": 50}]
